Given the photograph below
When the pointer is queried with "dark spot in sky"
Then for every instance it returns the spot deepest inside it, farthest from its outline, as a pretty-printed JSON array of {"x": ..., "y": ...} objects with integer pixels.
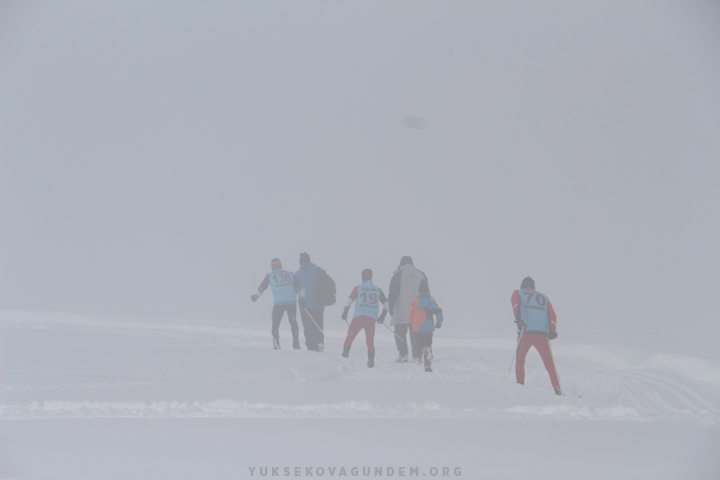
[{"x": 414, "y": 122}]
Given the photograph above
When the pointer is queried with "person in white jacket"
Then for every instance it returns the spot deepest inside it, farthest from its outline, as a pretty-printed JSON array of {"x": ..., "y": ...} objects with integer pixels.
[{"x": 401, "y": 294}]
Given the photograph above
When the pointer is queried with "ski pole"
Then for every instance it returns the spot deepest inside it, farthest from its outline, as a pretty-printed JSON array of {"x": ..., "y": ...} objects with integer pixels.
[
  {"x": 268, "y": 325},
  {"x": 311, "y": 318},
  {"x": 517, "y": 348},
  {"x": 391, "y": 331},
  {"x": 553, "y": 360}
]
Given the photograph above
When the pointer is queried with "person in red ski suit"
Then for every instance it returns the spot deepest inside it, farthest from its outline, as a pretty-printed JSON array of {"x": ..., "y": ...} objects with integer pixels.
[
  {"x": 367, "y": 298},
  {"x": 537, "y": 325}
]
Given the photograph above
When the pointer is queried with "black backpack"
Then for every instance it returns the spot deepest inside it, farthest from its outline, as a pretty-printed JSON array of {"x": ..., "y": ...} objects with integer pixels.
[{"x": 324, "y": 291}]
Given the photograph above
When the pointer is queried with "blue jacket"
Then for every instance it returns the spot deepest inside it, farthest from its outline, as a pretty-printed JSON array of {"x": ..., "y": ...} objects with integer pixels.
[
  {"x": 306, "y": 274},
  {"x": 424, "y": 308}
]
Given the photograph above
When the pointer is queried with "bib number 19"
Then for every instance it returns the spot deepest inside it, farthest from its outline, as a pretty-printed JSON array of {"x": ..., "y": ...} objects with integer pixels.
[{"x": 373, "y": 298}]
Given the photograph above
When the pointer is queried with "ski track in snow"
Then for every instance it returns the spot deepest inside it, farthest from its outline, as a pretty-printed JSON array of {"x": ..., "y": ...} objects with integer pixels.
[
  {"x": 242, "y": 409},
  {"x": 598, "y": 384}
]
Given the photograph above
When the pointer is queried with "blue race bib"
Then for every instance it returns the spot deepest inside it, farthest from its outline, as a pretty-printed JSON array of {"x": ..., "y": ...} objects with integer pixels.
[{"x": 367, "y": 301}]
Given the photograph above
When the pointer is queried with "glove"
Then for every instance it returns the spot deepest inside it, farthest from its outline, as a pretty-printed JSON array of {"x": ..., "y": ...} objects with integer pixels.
[
  {"x": 254, "y": 297},
  {"x": 552, "y": 335},
  {"x": 302, "y": 302},
  {"x": 344, "y": 316},
  {"x": 520, "y": 324},
  {"x": 438, "y": 325},
  {"x": 381, "y": 319}
]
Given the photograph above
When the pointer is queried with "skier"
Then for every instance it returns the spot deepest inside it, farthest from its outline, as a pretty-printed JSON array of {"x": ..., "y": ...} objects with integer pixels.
[
  {"x": 420, "y": 316},
  {"x": 536, "y": 324},
  {"x": 312, "y": 315},
  {"x": 285, "y": 287},
  {"x": 366, "y": 297},
  {"x": 403, "y": 290}
]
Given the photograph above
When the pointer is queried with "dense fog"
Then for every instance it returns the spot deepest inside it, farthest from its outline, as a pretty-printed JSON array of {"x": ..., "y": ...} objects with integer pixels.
[{"x": 156, "y": 157}]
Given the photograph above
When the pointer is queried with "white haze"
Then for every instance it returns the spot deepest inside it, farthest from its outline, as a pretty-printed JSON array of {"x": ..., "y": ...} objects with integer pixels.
[
  {"x": 119, "y": 399},
  {"x": 156, "y": 156}
]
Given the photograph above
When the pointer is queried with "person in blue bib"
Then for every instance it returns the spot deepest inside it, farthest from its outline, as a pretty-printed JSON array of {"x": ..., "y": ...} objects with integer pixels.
[
  {"x": 285, "y": 288},
  {"x": 367, "y": 298},
  {"x": 536, "y": 326}
]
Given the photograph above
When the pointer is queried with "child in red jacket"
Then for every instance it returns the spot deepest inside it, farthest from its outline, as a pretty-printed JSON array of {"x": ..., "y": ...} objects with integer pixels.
[{"x": 420, "y": 317}]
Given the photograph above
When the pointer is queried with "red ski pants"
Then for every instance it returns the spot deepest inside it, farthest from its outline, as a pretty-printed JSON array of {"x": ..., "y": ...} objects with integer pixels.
[
  {"x": 542, "y": 345},
  {"x": 357, "y": 324}
]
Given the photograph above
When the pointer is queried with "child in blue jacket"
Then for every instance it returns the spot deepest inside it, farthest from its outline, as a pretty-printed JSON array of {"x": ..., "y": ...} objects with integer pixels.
[{"x": 420, "y": 316}]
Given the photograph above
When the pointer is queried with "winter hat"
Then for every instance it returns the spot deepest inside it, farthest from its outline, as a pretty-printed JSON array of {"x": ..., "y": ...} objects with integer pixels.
[
  {"x": 405, "y": 261},
  {"x": 527, "y": 282},
  {"x": 275, "y": 263},
  {"x": 304, "y": 258},
  {"x": 424, "y": 289},
  {"x": 366, "y": 275}
]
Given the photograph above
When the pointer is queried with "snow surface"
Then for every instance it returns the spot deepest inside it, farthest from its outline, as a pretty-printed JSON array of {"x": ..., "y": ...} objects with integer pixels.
[{"x": 123, "y": 398}]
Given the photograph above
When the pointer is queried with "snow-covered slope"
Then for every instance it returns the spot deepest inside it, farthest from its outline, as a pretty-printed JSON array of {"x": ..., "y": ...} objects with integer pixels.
[{"x": 83, "y": 397}]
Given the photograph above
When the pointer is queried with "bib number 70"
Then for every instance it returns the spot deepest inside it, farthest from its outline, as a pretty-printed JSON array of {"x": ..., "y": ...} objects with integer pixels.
[{"x": 539, "y": 299}]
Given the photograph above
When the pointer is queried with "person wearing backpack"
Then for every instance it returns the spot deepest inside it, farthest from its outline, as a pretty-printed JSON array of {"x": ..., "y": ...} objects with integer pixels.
[
  {"x": 312, "y": 315},
  {"x": 367, "y": 298},
  {"x": 536, "y": 326},
  {"x": 285, "y": 287},
  {"x": 421, "y": 314},
  {"x": 403, "y": 290}
]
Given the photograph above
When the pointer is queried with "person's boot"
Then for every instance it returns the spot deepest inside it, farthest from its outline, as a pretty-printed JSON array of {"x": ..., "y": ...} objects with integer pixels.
[
  {"x": 428, "y": 358},
  {"x": 346, "y": 352},
  {"x": 402, "y": 357},
  {"x": 371, "y": 359},
  {"x": 296, "y": 342},
  {"x": 428, "y": 354},
  {"x": 320, "y": 348}
]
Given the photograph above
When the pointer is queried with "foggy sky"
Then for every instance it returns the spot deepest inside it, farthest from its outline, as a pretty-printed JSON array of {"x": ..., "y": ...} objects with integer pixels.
[{"x": 156, "y": 156}]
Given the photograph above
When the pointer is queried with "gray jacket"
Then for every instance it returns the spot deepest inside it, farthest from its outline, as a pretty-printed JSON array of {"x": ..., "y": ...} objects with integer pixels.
[{"x": 403, "y": 290}]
